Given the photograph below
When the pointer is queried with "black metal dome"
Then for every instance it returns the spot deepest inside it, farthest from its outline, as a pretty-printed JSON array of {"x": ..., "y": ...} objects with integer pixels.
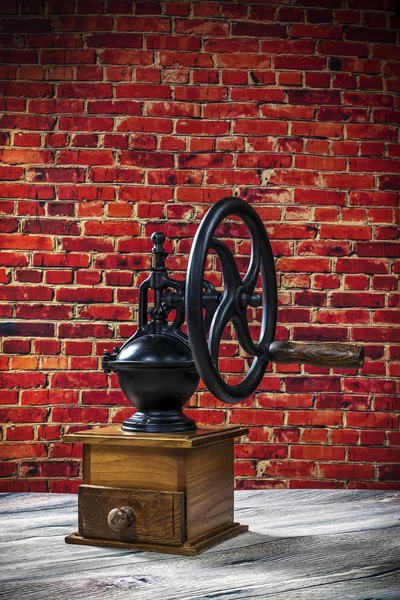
[{"x": 153, "y": 350}]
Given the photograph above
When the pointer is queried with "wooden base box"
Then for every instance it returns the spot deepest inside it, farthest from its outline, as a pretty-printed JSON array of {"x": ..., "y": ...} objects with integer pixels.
[{"x": 159, "y": 492}]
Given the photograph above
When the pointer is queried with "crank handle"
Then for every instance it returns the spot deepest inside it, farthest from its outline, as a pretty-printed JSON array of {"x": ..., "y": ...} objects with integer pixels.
[{"x": 324, "y": 354}]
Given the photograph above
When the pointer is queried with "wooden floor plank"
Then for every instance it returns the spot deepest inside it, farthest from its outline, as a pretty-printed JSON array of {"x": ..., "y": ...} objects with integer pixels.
[{"x": 302, "y": 545}]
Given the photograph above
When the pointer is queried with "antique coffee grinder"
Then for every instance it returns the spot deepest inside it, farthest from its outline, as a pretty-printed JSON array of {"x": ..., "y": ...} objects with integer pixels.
[{"x": 158, "y": 482}]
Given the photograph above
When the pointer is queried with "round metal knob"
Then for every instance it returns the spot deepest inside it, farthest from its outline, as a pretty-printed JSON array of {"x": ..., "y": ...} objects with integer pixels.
[
  {"x": 244, "y": 300},
  {"x": 158, "y": 238},
  {"x": 120, "y": 519}
]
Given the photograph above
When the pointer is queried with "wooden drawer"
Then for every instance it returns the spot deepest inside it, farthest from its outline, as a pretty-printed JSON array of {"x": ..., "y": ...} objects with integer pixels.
[{"x": 158, "y": 517}]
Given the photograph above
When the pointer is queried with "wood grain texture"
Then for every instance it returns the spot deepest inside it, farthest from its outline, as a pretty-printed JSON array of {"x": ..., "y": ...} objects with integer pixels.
[
  {"x": 324, "y": 354},
  {"x": 186, "y": 439},
  {"x": 87, "y": 459},
  {"x": 192, "y": 548},
  {"x": 209, "y": 488},
  {"x": 159, "y": 516},
  {"x": 302, "y": 545},
  {"x": 138, "y": 468}
]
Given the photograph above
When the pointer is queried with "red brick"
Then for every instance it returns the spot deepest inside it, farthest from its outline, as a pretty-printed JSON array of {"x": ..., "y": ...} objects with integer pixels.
[
  {"x": 264, "y": 160},
  {"x": 145, "y": 24},
  {"x": 19, "y": 328},
  {"x": 84, "y": 331},
  {"x": 314, "y": 96},
  {"x": 173, "y": 109},
  {"x": 43, "y": 311},
  {"x": 26, "y": 89},
  {"x": 253, "y": 417},
  {"x": 23, "y": 415},
  {"x": 261, "y": 451},
  {"x": 310, "y": 484},
  {"x": 56, "y": 175},
  {"x": 387, "y": 249},
  {"x": 86, "y": 157},
  {"x": 346, "y": 471},
  {"x": 368, "y": 99},
  {"x": 8, "y": 121},
  {"x": 344, "y": 436},
  {"x": 355, "y": 385},
  {"x": 361, "y": 232},
  {"x": 251, "y": 95},
  {"x": 58, "y": 105},
  {"x": 112, "y": 174},
  {"x": 126, "y": 57},
  {"x": 376, "y": 334},
  {"x": 72, "y": 379},
  {"x": 16, "y": 346},
  {"x": 49, "y": 432},
  {"x": 51, "y": 226},
  {"x": 360, "y": 265},
  {"x": 280, "y": 468},
  {"x": 26, "y": 275},
  {"x": 368, "y": 131},
  {"x": 342, "y": 316},
  {"x": 303, "y": 264},
  {"x": 58, "y": 276},
  {"x": 13, "y": 156},
  {"x": 328, "y": 130},
  {"x": 386, "y": 317},
  {"x": 84, "y": 90},
  {"x": 315, "y": 418},
  {"x": 8, "y": 468},
  {"x": 86, "y": 123},
  {"x": 389, "y": 182},
  {"x": 49, "y": 468},
  {"x": 46, "y": 346},
  {"x": 320, "y": 163},
  {"x": 389, "y": 472},
  {"x": 348, "y": 180},
  {"x": 19, "y": 434},
  {"x": 383, "y": 282},
  {"x": 64, "y": 486},
  {"x": 339, "y": 48},
  {"x": 257, "y": 127},
  {"x": 315, "y": 333},
  {"x": 374, "y": 420},
  {"x": 193, "y": 127},
  {"x": 23, "y": 450},
  {"x": 343, "y": 299},
  {"x": 11, "y": 173},
  {"x": 197, "y": 161},
  {"x": 314, "y": 435},
  {"x": 234, "y": 78},
  {"x": 141, "y": 159},
  {"x": 308, "y": 196},
  {"x": 284, "y": 401},
  {"x": 369, "y": 34},
  {"x": 82, "y": 294},
  {"x": 289, "y": 78},
  {"x": 317, "y": 453},
  {"x": 23, "y": 485}
]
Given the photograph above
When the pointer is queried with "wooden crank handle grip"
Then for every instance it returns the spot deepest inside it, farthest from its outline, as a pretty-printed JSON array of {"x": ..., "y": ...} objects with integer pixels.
[
  {"x": 324, "y": 354},
  {"x": 120, "y": 519}
]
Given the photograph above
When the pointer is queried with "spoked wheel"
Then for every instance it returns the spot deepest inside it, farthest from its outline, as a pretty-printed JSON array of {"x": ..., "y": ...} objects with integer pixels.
[{"x": 238, "y": 294}]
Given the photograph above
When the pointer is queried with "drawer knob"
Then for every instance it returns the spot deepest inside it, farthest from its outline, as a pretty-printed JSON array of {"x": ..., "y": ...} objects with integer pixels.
[{"x": 120, "y": 519}]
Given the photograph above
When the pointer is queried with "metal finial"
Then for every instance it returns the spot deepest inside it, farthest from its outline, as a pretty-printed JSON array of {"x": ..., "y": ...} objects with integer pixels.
[{"x": 159, "y": 254}]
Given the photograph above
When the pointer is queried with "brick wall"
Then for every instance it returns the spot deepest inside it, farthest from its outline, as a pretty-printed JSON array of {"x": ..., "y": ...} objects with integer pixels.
[{"x": 120, "y": 118}]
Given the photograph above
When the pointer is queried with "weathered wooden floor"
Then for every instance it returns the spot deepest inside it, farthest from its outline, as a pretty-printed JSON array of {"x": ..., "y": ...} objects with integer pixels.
[{"x": 303, "y": 545}]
